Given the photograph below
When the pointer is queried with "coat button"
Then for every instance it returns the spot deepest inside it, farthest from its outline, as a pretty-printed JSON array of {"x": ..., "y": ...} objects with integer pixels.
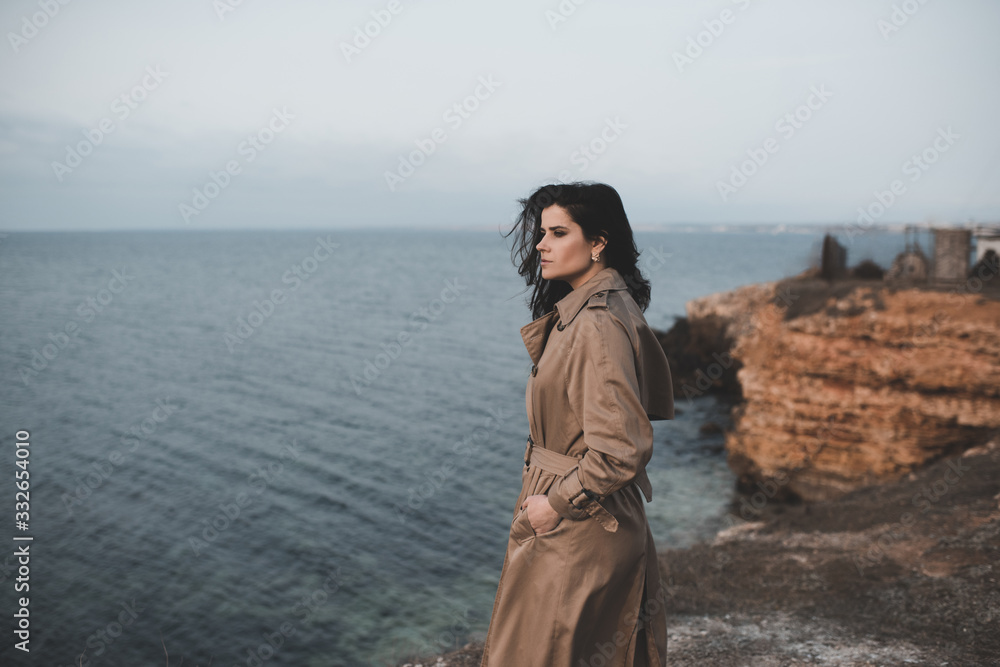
[
  {"x": 534, "y": 370},
  {"x": 560, "y": 326}
]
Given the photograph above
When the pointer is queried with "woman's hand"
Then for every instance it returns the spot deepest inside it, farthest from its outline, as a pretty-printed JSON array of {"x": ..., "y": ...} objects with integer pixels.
[{"x": 541, "y": 516}]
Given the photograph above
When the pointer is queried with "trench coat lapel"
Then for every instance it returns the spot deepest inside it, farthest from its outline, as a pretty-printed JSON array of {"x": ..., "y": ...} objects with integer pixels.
[
  {"x": 658, "y": 393},
  {"x": 536, "y": 333}
]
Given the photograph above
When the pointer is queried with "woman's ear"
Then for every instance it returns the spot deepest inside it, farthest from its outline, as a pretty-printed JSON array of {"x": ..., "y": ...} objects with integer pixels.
[{"x": 600, "y": 244}]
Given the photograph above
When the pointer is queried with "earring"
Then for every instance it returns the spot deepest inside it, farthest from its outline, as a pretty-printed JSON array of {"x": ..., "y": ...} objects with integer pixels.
[{"x": 596, "y": 257}]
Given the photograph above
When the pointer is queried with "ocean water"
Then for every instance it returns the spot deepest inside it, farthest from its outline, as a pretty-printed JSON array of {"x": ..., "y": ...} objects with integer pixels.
[{"x": 298, "y": 448}]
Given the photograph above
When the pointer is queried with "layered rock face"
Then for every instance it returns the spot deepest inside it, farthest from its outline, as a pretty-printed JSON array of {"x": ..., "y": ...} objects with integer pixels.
[{"x": 852, "y": 383}]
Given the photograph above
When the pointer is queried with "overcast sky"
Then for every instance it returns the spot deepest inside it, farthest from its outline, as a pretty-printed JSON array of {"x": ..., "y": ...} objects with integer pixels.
[{"x": 710, "y": 112}]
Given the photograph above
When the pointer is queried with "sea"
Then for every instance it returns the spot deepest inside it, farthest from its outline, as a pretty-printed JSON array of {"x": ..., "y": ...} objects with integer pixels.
[{"x": 265, "y": 448}]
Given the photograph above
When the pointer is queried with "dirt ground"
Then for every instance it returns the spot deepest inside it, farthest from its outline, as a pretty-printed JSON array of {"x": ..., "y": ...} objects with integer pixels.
[{"x": 904, "y": 573}]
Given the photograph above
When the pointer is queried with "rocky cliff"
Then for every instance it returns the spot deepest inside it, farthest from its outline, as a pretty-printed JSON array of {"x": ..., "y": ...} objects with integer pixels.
[{"x": 848, "y": 383}]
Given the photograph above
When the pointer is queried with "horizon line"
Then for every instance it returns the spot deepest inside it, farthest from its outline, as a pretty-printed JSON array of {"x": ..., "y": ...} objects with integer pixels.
[{"x": 642, "y": 227}]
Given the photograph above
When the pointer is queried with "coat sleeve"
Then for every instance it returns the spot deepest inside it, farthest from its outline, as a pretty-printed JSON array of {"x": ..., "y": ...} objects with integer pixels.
[{"x": 603, "y": 390}]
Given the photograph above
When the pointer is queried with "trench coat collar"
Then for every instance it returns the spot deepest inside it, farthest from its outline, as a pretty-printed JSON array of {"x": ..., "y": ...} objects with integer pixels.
[
  {"x": 606, "y": 280},
  {"x": 595, "y": 291}
]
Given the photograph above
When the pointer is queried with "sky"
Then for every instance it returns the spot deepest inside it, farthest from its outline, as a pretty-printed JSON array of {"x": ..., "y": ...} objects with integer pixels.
[{"x": 256, "y": 114}]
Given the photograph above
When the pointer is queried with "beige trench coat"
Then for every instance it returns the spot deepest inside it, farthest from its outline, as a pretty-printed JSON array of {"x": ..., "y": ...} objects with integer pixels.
[{"x": 580, "y": 594}]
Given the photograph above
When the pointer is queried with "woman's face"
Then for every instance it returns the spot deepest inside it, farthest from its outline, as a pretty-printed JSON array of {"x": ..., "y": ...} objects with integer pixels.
[{"x": 565, "y": 253}]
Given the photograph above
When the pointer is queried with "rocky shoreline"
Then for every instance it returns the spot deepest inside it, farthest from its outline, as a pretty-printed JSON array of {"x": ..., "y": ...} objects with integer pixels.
[{"x": 847, "y": 383}]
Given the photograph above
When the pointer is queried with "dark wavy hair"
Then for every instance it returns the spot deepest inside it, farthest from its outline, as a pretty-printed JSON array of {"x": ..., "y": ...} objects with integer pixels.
[{"x": 598, "y": 209}]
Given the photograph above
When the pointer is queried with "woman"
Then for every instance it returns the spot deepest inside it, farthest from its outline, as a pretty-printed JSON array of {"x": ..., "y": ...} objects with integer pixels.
[{"x": 580, "y": 584}]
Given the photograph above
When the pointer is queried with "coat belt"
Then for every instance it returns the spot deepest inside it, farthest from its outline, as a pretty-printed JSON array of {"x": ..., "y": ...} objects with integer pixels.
[
  {"x": 561, "y": 464},
  {"x": 546, "y": 459}
]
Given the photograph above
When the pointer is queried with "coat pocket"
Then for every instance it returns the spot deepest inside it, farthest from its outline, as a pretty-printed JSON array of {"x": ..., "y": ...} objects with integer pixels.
[{"x": 520, "y": 529}]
